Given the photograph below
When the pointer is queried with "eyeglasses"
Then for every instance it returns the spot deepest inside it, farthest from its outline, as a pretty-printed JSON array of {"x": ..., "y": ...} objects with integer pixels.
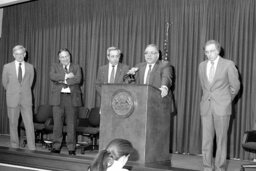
[
  {"x": 150, "y": 53},
  {"x": 63, "y": 57},
  {"x": 210, "y": 51}
]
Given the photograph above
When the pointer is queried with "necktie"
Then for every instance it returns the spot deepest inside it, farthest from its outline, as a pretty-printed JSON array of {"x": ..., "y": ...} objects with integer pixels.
[
  {"x": 112, "y": 75},
  {"x": 211, "y": 73},
  {"x": 66, "y": 69},
  {"x": 148, "y": 74},
  {"x": 20, "y": 73},
  {"x": 66, "y": 72}
]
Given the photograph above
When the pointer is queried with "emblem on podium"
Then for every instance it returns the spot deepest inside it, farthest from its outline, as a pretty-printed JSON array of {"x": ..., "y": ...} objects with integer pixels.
[{"x": 122, "y": 103}]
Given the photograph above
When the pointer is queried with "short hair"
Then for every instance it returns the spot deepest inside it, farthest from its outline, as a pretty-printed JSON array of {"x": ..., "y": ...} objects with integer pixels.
[
  {"x": 18, "y": 47},
  {"x": 152, "y": 45},
  {"x": 63, "y": 50},
  {"x": 112, "y": 49},
  {"x": 216, "y": 43}
]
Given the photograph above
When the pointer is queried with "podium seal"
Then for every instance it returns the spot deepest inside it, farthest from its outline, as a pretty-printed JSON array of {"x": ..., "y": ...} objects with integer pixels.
[{"x": 122, "y": 103}]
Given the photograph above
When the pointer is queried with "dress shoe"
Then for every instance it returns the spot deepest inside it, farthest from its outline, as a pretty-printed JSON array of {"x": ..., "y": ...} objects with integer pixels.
[
  {"x": 72, "y": 153},
  {"x": 55, "y": 151}
]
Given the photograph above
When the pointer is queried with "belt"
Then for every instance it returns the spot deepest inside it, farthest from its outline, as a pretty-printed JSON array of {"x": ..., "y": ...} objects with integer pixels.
[{"x": 65, "y": 93}]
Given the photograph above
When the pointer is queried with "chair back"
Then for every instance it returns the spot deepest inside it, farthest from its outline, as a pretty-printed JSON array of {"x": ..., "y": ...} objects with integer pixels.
[
  {"x": 83, "y": 112},
  {"x": 94, "y": 117},
  {"x": 44, "y": 112}
]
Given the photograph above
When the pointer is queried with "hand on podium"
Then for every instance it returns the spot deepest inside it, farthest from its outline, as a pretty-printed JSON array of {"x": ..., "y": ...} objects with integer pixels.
[{"x": 164, "y": 91}]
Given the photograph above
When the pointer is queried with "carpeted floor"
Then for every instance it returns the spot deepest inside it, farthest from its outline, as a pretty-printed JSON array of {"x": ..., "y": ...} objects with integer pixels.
[{"x": 181, "y": 161}]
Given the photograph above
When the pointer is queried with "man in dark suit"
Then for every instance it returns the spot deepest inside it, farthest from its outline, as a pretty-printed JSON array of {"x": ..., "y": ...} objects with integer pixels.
[
  {"x": 114, "y": 71},
  {"x": 17, "y": 79},
  {"x": 220, "y": 84},
  {"x": 65, "y": 98},
  {"x": 154, "y": 72}
]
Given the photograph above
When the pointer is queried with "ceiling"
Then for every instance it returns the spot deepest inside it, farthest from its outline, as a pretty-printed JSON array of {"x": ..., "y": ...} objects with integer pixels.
[{"x": 4, "y": 3}]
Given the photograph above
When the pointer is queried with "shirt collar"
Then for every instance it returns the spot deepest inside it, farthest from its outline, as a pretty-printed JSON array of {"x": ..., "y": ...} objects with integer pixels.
[
  {"x": 18, "y": 63},
  {"x": 215, "y": 61},
  {"x": 110, "y": 65}
]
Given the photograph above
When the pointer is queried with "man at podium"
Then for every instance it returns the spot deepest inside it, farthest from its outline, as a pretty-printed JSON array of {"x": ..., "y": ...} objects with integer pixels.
[
  {"x": 114, "y": 71},
  {"x": 153, "y": 71}
]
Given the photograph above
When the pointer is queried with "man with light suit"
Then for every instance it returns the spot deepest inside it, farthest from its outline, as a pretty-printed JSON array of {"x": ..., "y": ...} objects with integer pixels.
[
  {"x": 65, "y": 99},
  {"x": 220, "y": 84},
  {"x": 113, "y": 72},
  {"x": 17, "y": 79}
]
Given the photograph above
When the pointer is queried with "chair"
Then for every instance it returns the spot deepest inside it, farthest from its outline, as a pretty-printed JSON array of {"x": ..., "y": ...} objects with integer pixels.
[
  {"x": 249, "y": 144},
  {"x": 43, "y": 113},
  {"x": 89, "y": 127}
]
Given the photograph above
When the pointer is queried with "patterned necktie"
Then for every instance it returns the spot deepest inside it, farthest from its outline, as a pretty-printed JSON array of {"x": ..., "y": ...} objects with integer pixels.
[
  {"x": 211, "y": 73},
  {"x": 148, "y": 74},
  {"x": 112, "y": 75},
  {"x": 20, "y": 73},
  {"x": 66, "y": 69}
]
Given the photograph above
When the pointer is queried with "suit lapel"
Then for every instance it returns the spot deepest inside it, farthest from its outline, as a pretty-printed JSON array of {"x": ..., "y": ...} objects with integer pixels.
[
  {"x": 14, "y": 71},
  {"x": 118, "y": 73},
  {"x": 143, "y": 68},
  {"x": 71, "y": 68},
  {"x": 105, "y": 73},
  {"x": 205, "y": 78},
  {"x": 217, "y": 71},
  {"x": 153, "y": 72}
]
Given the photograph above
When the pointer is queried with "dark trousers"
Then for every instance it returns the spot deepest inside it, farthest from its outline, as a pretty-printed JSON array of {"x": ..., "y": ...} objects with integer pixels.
[{"x": 64, "y": 113}]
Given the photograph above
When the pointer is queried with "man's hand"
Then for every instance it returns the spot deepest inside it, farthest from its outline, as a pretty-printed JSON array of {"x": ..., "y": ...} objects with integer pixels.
[
  {"x": 164, "y": 91},
  {"x": 70, "y": 75}
]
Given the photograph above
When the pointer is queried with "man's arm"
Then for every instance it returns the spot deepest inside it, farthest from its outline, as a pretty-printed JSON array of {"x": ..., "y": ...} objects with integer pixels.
[
  {"x": 166, "y": 80},
  {"x": 55, "y": 75},
  {"x": 32, "y": 75},
  {"x": 99, "y": 81},
  {"x": 4, "y": 77},
  {"x": 167, "y": 76},
  {"x": 233, "y": 80},
  {"x": 75, "y": 78}
]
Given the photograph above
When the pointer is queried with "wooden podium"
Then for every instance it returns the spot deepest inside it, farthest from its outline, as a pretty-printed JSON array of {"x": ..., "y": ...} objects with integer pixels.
[{"x": 139, "y": 114}]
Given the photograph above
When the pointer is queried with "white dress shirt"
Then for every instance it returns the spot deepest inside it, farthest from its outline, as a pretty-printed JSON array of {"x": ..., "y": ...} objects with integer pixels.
[
  {"x": 17, "y": 64},
  {"x": 146, "y": 71},
  {"x": 66, "y": 90},
  {"x": 209, "y": 66},
  {"x": 110, "y": 70}
]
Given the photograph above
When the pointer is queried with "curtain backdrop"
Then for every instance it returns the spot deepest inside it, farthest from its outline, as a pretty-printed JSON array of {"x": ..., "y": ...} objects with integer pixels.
[{"x": 88, "y": 27}]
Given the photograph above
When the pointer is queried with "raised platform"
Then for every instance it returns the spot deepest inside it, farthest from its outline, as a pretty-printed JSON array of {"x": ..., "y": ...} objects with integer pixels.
[{"x": 62, "y": 162}]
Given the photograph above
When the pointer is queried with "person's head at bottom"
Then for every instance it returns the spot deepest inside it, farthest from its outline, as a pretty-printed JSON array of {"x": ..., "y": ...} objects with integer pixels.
[{"x": 114, "y": 157}]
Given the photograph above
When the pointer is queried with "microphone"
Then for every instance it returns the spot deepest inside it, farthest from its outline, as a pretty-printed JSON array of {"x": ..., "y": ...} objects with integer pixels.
[{"x": 130, "y": 75}]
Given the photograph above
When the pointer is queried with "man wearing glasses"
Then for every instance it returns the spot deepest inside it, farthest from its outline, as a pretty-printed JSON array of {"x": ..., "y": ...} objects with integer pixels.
[
  {"x": 153, "y": 71},
  {"x": 17, "y": 79},
  {"x": 65, "y": 99},
  {"x": 220, "y": 84}
]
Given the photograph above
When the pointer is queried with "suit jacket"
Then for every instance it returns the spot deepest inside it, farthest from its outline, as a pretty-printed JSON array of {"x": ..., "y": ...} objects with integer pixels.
[
  {"x": 102, "y": 76},
  {"x": 219, "y": 94},
  {"x": 18, "y": 93},
  {"x": 57, "y": 75},
  {"x": 161, "y": 74}
]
